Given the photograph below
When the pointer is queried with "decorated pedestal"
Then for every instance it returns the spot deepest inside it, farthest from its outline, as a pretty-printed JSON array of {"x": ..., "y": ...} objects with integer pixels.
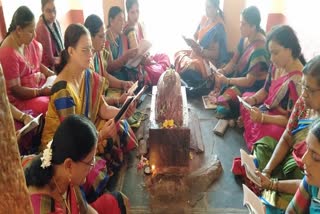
[{"x": 169, "y": 146}]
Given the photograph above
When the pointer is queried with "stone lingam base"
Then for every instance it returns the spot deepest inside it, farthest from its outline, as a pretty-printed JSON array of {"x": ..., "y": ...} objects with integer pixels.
[{"x": 178, "y": 192}]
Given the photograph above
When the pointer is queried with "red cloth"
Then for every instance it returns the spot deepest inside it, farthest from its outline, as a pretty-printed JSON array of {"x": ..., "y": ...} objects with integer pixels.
[{"x": 106, "y": 204}]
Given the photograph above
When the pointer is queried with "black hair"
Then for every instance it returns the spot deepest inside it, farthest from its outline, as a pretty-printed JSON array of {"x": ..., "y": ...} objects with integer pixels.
[
  {"x": 315, "y": 129},
  {"x": 216, "y": 4},
  {"x": 252, "y": 16},
  {"x": 113, "y": 12},
  {"x": 71, "y": 37},
  {"x": 44, "y": 2},
  {"x": 74, "y": 138},
  {"x": 22, "y": 17},
  {"x": 93, "y": 23},
  {"x": 130, "y": 3},
  {"x": 312, "y": 68},
  {"x": 285, "y": 36}
]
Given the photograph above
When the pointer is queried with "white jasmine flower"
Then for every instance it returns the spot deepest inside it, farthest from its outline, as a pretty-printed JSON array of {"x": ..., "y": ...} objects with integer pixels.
[{"x": 46, "y": 156}]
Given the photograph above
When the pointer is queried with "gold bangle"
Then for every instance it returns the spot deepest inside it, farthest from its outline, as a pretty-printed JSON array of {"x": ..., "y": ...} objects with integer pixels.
[
  {"x": 262, "y": 117},
  {"x": 35, "y": 92},
  {"x": 228, "y": 81},
  {"x": 22, "y": 116}
]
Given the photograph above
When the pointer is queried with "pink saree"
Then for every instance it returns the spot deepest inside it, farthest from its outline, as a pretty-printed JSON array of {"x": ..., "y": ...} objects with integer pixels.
[
  {"x": 24, "y": 71},
  {"x": 282, "y": 93}
]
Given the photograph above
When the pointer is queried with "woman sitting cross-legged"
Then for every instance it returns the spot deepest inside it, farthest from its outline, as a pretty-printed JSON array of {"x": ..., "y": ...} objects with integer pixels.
[
  {"x": 153, "y": 65},
  {"x": 20, "y": 56},
  {"x": 78, "y": 90},
  {"x": 246, "y": 71},
  {"x": 280, "y": 92},
  {"x": 117, "y": 45},
  {"x": 209, "y": 45},
  {"x": 54, "y": 177},
  {"x": 100, "y": 56}
]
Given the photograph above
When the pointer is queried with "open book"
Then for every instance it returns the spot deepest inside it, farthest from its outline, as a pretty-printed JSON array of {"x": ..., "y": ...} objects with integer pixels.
[
  {"x": 50, "y": 81},
  {"x": 244, "y": 103},
  {"x": 250, "y": 167},
  {"x": 143, "y": 47},
  {"x": 252, "y": 201},
  {"x": 29, "y": 126}
]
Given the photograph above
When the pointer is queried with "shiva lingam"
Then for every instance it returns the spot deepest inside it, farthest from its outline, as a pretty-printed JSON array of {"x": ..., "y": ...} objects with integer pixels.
[
  {"x": 172, "y": 179},
  {"x": 169, "y": 134}
]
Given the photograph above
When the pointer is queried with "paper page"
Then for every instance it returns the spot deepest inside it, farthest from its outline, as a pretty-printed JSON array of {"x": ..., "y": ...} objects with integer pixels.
[
  {"x": 244, "y": 103},
  {"x": 252, "y": 201},
  {"x": 50, "y": 81},
  {"x": 30, "y": 126},
  {"x": 143, "y": 48},
  {"x": 250, "y": 167}
]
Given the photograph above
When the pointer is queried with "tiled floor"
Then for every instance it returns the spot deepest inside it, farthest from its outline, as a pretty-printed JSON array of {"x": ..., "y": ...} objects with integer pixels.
[{"x": 224, "y": 196}]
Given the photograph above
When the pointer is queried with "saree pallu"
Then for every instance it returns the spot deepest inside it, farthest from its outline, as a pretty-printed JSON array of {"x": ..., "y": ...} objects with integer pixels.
[
  {"x": 43, "y": 203},
  {"x": 159, "y": 62},
  {"x": 117, "y": 47},
  {"x": 290, "y": 167},
  {"x": 207, "y": 35},
  {"x": 106, "y": 203},
  {"x": 252, "y": 59},
  {"x": 91, "y": 91},
  {"x": 282, "y": 93}
]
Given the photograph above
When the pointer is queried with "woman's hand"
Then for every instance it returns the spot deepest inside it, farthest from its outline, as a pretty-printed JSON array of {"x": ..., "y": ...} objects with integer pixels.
[
  {"x": 126, "y": 85},
  {"x": 45, "y": 91},
  {"x": 221, "y": 78},
  {"x": 265, "y": 181},
  {"x": 108, "y": 130},
  {"x": 132, "y": 108},
  {"x": 27, "y": 118},
  {"x": 249, "y": 100},
  {"x": 197, "y": 49},
  {"x": 123, "y": 97},
  {"x": 255, "y": 115},
  {"x": 131, "y": 53}
]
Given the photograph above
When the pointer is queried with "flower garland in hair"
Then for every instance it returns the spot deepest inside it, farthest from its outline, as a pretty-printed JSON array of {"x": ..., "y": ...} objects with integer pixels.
[{"x": 46, "y": 156}]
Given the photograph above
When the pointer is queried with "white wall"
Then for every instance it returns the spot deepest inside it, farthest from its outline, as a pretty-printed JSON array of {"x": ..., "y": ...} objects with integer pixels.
[{"x": 167, "y": 20}]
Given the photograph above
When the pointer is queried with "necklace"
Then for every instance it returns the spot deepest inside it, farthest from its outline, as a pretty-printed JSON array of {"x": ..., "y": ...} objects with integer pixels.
[
  {"x": 63, "y": 198},
  {"x": 113, "y": 40},
  {"x": 21, "y": 51}
]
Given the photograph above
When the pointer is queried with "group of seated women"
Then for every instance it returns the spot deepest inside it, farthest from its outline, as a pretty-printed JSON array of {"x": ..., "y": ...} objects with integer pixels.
[{"x": 267, "y": 71}]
